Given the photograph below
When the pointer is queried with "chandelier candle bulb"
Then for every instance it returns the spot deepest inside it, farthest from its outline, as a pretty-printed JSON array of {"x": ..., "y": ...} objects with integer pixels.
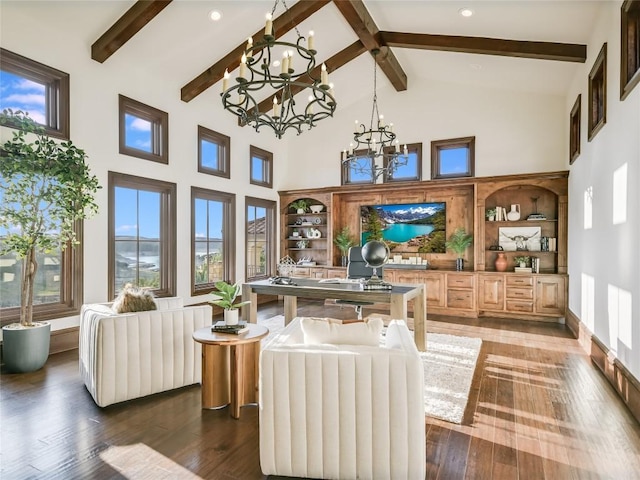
[
  {"x": 290, "y": 61},
  {"x": 243, "y": 67},
  {"x": 285, "y": 63},
  {"x": 381, "y": 121},
  {"x": 310, "y": 106},
  {"x": 250, "y": 47},
  {"x": 276, "y": 107},
  {"x": 225, "y": 81},
  {"x": 391, "y": 127},
  {"x": 324, "y": 76},
  {"x": 268, "y": 27},
  {"x": 406, "y": 150},
  {"x": 310, "y": 41}
]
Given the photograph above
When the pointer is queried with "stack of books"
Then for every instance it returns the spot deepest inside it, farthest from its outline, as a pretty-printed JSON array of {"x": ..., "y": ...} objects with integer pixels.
[{"x": 221, "y": 327}]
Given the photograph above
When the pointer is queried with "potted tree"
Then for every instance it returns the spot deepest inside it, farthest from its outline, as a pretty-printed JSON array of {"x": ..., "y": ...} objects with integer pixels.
[
  {"x": 459, "y": 241},
  {"x": 225, "y": 298},
  {"x": 344, "y": 242},
  {"x": 45, "y": 187}
]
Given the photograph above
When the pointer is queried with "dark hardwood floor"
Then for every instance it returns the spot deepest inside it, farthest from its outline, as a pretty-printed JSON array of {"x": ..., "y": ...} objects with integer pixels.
[{"x": 538, "y": 409}]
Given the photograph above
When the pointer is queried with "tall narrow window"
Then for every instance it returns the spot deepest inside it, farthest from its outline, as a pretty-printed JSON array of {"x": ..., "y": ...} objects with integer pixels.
[
  {"x": 357, "y": 171},
  {"x": 260, "y": 235},
  {"x": 412, "y": 170},
  {"x": 261, "y": 167},
  {"x": 214, "y": 155},
  {"x": 142, "y": 234},
  {"x": 144, "y": 131},
  {"x": 598, "y": 93},
  {"x": 453, "y": 158},
  {"x": 630, "y": 47},
  {"x": 574, "y": 131},
  {"x": 37, "y": 89},
  {"x": 213, "y": 239}
]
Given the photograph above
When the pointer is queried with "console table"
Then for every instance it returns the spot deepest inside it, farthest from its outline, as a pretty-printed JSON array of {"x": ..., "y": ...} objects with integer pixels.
[{"x": 398, "y": 297}]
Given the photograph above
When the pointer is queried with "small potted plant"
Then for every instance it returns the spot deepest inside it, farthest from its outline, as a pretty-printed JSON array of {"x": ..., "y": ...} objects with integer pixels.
[
  {"x": 300, "y": 206},
  {"x": 225, "y": 298},
  {"x": 490, "y": 213},
  {"x": 459, "y": 241},
  {"x": 521, "y": 261},
  {"x": 344, "y": 242}
]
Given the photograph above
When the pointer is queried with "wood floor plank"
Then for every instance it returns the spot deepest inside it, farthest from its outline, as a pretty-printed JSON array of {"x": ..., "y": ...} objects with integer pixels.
[{"x": 538, "y": 409}]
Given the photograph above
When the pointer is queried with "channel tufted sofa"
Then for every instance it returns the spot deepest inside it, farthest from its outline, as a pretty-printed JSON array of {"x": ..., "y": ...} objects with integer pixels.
[
  {"x": 342, "y": 411},
  {"x": 131, "y": 355}
]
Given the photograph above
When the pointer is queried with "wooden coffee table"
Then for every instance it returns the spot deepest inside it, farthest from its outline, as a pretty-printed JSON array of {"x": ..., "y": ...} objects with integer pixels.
[{"x": 230, "y": 367}]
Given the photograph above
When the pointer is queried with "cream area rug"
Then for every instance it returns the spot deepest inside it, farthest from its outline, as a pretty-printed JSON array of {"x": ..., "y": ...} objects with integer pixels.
[{"x": 449, "y": 364}]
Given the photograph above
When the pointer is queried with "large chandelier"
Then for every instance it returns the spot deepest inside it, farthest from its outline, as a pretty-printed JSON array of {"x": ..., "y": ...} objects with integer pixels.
[
  {"x": 376, "y": 151},
  {"x": 258, "y": 74}
]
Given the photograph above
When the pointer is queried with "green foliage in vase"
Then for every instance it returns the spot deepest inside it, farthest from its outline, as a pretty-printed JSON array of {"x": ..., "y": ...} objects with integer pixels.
[
  {"x": 344, "y": 241},
  {"x": 226, "y": 295},
  {"x": 459, "y": 241}
]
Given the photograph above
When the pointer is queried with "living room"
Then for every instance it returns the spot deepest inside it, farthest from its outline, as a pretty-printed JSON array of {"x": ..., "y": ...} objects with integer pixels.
[{"x": 518, "y": 110}]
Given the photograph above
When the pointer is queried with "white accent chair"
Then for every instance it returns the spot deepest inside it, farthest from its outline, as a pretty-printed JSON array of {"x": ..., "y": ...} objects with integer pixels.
[
  {"x": 131, "y": 355},
  {"x": 342, "y": 411}
]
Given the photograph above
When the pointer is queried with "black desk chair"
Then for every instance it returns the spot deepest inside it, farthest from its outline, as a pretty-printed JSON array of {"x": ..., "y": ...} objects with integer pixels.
[{"x": 358, "y": 268}]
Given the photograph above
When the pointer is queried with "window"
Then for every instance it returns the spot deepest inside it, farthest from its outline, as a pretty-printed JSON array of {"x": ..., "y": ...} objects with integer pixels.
[
  {"x": 453, "y": 158},
  {"x": 214, "y": 155},
  {"x": 598, "y": 93},
  {"x": 213, "y": 239},
  {"x": 142, "y": 234},
  {"x": 630, "y": 51},
  {"x": 357, "y": 171},
  {"x": 413, "y": 169},
  {"x": 35, "y": 88},
  {"x": 144, "y": 131},
  {"x": 261, "y": 167},
  {"x": 260, "y": 235},
  {"x": 574, "y": 131}
]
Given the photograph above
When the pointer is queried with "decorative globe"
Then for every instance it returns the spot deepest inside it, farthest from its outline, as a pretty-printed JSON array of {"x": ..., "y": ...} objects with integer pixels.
[{"x": 375, "y": 253}]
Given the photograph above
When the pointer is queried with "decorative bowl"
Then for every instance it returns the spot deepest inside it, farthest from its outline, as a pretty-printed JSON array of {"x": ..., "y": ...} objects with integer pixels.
[{"x": 316, "y": 208}]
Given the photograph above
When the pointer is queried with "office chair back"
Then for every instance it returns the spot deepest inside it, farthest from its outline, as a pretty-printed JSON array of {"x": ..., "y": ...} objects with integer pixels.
[{"x": 357, "y": 267}]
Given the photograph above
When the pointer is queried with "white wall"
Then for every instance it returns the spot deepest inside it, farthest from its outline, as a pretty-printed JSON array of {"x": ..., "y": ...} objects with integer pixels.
[
  {"x": 48, "y": 32},
  {"x": 604, "y": 260}
]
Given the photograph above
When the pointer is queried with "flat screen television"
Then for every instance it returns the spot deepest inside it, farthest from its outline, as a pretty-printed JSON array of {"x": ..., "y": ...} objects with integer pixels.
[{"x": 407, "y": 227}]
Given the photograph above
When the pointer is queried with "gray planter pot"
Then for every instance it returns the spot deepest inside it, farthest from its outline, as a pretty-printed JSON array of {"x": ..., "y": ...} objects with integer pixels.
[{"x": 26, "y": 349}]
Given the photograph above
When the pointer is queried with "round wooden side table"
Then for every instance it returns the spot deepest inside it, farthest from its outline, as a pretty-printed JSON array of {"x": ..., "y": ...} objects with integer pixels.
[{"x": 230, "y": 367}]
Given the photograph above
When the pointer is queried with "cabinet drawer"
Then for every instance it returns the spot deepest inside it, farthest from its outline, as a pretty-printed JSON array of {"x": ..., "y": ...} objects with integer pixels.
[
  {"x": 519, "y": 306},
  {"x": 519, "y": 280},
  {"x": 520, "y": 292},
  {"x": 301, "y": 272},
  {"x": 460, "y": 281},
  {"x": 460, "y": 299}
]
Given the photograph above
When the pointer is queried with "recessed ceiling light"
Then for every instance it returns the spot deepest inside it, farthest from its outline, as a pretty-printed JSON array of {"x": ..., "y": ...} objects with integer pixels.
[
  {"x": 215, "y": 15},
  {"x": 465, "y": 12}
]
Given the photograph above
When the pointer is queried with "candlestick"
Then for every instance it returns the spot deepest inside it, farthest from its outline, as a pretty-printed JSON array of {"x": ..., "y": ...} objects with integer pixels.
[
  {"x": 310, "y": 41},
  {"x": 310, "y": 106},
  {"x": 250, "y": 47},
  {"x": 285, "y": 63},
  {"x": 324, "y": 76},
  {"x": 225, "y": 81},
  {"x": 243, "y": 67},
  {"x": 268, "y": 28},
  {"x": 276, "y": 107}
]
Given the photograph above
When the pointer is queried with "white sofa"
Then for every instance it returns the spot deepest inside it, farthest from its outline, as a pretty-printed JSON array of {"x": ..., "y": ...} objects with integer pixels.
[
  {"x": 342, "y": 411},
  {"x": 131, "y": 355}
]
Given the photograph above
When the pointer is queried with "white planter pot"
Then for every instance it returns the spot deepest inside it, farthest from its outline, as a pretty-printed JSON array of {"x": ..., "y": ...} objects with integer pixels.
[{"x": 231, "y": 317}]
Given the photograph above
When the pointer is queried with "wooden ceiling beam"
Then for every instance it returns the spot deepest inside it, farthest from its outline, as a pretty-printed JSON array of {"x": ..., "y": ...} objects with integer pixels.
[
  {"x": 281, "y": 25},
  {"x": 357, "y": 15},
  {"x": 564, "y": 52},
  {"x": 340, "y": 59},
  {"x": 141, "y": 13}
]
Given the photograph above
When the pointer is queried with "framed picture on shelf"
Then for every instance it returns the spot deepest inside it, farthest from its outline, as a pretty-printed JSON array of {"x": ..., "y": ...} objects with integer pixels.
[{"x": 513, "y": 239}]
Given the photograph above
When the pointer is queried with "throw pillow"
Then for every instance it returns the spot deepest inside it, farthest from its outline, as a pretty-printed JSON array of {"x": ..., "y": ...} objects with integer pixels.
[
  {"x": 134, "y": 299},
  {"x": 318, "y": 331}
]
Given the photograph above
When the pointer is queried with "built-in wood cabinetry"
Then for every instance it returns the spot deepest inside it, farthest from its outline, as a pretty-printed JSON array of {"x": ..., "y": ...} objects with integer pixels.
[{"x": 479, "y": 289}]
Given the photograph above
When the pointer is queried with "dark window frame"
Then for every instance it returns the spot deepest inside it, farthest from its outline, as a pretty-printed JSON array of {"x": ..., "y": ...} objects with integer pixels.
[
  {"x": 56, "y": 85},
  {"x": 159, "y": 130},
  {"x": 71, "y": 286},
  {"x": 168, "y": 229},
  {"x": 574, "y": 130},
  {"x": 267, "y": 170},
  {"x": 598, "y": 93},
  {"x": 345, "y": 170},
  {"x": 228, "y": 241},
  {"x": 462, "y": 142},
  {"x": 630, "y": 47},
  {"x": 411, "y": 148},
  {"x": 223, "y": 143},
  {"x": 270, "y": 235}
]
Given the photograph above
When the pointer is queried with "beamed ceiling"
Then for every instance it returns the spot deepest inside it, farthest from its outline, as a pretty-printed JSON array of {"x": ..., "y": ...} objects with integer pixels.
[{"x": 518, "y": 45}]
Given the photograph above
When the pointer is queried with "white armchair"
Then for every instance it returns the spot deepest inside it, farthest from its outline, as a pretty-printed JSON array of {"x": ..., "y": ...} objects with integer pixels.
[
  {"x": 131, "y": 355},
  {"x": 342, "y": 411}
]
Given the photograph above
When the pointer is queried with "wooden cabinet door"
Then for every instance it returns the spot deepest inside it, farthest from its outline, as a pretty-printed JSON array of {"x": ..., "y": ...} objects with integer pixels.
[
  {"x": 434, "y": 283},
  {"x": 490, "y": 292},
  {"x": 550, "y": 295}
]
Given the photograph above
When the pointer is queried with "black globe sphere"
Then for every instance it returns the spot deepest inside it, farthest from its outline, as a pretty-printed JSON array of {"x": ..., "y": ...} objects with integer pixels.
[{"x": 375, "y": 253}]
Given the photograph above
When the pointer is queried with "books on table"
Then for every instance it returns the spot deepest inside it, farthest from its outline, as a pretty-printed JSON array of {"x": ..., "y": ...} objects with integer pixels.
[{"x": 221, "y": 327}]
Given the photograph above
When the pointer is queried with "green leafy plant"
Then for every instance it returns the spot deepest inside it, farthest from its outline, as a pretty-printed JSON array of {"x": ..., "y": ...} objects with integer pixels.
[
  {"x": 490, "y": 212},
  {"x": 344, "y": 241},
  {"x": 374, "y": 228},
  {"x": 45, "y": 187},
  {"x": 226, "y": 296},
  {"x": 519, "y": 260},
  {"x": 301, "y": 204},
  {"x": 459, "y": 241}
]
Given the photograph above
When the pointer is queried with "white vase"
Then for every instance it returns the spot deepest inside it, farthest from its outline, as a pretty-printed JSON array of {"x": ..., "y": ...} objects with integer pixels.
[
  {"x": 231, "y": 316},
  {"x": 514, "y": 214}
]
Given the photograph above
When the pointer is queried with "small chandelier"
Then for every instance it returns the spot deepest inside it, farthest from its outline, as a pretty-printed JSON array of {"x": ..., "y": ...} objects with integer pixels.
[
  {"x": 255, "y": 75},
  {"x": 376, "y": 151}
]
